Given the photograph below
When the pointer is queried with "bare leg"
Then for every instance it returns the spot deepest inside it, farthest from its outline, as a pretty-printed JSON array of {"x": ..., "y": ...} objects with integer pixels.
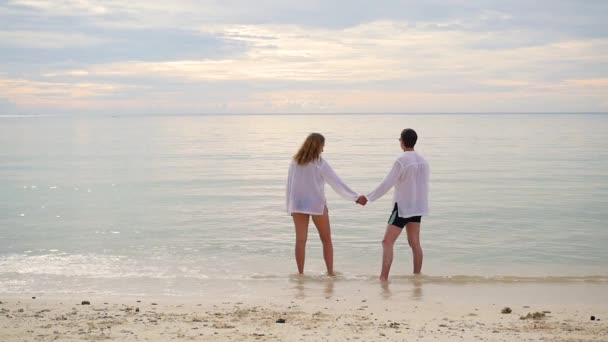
[
  {"x": 413, "y": 238},
  {"x": 322, "y": 223},
  {"x": 300, "y": 222},
  {"x": 391, "y": 235}
]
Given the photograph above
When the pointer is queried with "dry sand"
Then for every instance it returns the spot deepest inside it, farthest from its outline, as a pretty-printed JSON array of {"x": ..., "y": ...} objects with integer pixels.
[{"x": 310, "y": 319}]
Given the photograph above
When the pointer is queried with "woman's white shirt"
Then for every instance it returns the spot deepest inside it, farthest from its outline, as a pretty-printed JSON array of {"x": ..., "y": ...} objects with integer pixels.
[
  {"x": 410, "y": 177},
  {"x": 306, "y": 187}
]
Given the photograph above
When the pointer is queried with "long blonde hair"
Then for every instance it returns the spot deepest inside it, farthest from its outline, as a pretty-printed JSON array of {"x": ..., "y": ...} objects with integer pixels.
[{"x": 311, "y": 149}]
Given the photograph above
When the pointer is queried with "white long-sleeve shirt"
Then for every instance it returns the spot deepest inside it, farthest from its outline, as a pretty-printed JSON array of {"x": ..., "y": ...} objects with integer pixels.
[
  {"x": 306, "y": 187},
  {"x": 410, "y": 177}
]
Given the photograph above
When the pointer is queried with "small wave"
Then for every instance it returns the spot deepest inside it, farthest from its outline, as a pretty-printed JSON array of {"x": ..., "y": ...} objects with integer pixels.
[
  {"x": 265, "y": 277},
  {"x": 473, "y": 279},
  {"x": 446, "y": 279},
  {"x": 55, "y": 262},
  {"x": 26, "y": 116}
]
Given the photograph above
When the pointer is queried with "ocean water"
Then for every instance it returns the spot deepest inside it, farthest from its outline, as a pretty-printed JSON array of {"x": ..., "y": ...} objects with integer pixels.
[{"x": 173, "y": 204}]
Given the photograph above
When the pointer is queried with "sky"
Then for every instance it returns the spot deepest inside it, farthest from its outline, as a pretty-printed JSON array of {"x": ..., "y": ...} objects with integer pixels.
[{"x": 267, "y": 56}]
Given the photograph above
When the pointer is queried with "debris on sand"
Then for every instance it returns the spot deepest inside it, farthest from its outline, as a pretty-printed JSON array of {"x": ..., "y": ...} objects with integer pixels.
[
  {"x": 535, "y": 315},
  {"x": 506, "y": 310}
]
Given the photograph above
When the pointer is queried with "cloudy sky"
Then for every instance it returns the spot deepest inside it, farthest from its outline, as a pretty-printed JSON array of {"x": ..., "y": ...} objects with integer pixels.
[{"x": 313, "y": 56}]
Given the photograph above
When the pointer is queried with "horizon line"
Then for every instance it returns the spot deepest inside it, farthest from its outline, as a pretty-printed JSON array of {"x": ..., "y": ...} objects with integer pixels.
[{"x": 309, "y": 113}]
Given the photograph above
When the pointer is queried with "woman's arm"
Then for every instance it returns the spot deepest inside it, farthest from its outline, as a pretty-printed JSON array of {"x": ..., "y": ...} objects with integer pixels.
[
  {"x": 288, "y": 188},
  {"x": 336, "y": 183}
]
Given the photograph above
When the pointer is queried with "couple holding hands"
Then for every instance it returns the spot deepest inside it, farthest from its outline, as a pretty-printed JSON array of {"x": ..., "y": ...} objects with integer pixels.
[{"x": 308, "y": 173}]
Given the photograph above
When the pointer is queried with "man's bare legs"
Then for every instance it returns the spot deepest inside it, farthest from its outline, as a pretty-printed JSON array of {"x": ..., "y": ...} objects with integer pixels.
[
  {"x": 413, "y": 238},
  {"x": 322, "y": 224},
  {"x": 390, "y": 236},
  {"x": 301, "y": 225}
]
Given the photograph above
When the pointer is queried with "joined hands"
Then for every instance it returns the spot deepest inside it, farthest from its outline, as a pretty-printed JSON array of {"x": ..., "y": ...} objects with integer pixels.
[{"x": 361, "y": 200}]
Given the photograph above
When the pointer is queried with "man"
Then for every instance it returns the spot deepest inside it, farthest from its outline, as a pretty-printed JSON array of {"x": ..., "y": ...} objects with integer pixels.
[{"x": 410, "y": 177}]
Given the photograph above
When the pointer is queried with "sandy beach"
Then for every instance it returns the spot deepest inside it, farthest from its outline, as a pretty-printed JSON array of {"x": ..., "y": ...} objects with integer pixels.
[{"x": 313, "y": 314}]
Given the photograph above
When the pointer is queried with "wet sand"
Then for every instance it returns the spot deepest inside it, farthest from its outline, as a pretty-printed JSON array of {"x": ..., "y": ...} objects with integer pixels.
[{"x": 315, "y": 313}]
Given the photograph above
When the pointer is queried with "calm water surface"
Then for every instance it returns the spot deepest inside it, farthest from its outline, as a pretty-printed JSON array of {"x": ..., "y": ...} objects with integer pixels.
[{"x": 135, "y": 203}]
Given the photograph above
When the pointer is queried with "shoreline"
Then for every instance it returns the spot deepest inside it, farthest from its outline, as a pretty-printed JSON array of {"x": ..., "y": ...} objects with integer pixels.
[{"x": 318, "y": 311}]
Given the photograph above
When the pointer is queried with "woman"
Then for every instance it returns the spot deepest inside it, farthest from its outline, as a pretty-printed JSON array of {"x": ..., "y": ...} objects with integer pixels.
[{"x": 308, "y": 173}]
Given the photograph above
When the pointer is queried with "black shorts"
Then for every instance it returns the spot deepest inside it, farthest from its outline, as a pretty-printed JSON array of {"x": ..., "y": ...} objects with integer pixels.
[{"x": 400, "y": 222}]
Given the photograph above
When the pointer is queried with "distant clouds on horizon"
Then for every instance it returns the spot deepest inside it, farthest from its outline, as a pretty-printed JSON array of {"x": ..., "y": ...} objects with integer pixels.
[{"x": 122, "y": 57}]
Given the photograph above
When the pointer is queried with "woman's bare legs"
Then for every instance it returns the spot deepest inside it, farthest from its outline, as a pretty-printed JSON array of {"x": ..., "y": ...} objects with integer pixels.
[
  {"x": 322, "y": 224},
  {"x": 300, "y": 222}
]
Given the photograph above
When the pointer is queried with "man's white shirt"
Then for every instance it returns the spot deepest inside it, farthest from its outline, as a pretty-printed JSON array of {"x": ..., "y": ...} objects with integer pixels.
[{"x": 410, "y": 177}]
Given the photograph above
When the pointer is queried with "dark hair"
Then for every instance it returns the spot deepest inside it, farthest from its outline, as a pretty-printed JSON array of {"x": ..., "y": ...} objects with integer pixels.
[
  {"x": 409, "y": 137},
  {"x": 310, "y": 149}
]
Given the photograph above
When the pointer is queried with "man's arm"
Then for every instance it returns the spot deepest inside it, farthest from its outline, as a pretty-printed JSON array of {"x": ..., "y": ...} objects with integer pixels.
[{"x": 389, "y": 181}]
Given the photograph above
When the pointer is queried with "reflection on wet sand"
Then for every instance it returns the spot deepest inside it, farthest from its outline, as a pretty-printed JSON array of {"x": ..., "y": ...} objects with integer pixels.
[
  {"x": 329, "y": 287},
  {"x": 310, "y": 286},
  {"x": 301, "y": 282},
  {"x": 416, "y": 291}
]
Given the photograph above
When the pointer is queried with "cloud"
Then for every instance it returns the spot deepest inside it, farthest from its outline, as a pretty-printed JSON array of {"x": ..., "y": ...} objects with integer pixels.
[
  {"x": 46, "y": 40},
  {"x": 554, "y": 17},
  {"x": 273, "y": 55},
  {"x": 34, "y": 88},
  {"x": 601, "y": 83},
  {"x": 36, "y": 94},
  {"x": 134, "y": 14},
  {"x": 574, "y": 18},
  {"x": 56, "y": 49},
  {"x": 370, "y": 52},
  {"x": 7, "y": 107},
  {"x": 399, "y": 101},
  {"x": 67, "y": 7},
  {"x": 505, "y": 83}
]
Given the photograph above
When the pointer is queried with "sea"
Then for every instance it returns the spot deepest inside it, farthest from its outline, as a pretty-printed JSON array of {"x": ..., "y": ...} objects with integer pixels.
[{"x": 180, "y": 205}]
